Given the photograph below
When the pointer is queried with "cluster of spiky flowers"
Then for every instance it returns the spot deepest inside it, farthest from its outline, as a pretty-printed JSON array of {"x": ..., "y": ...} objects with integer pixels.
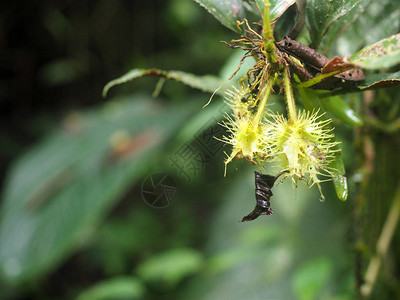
[{"x": 300, "y": 145}]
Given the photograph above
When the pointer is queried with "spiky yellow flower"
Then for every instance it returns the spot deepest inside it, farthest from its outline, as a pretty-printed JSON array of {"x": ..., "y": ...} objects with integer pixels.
[
  {"x": 244, "y": 126},
  {"x": 244, "y": 131},
  {"x": 244, "y": 137},
  {"x": 302, "y": 146}
]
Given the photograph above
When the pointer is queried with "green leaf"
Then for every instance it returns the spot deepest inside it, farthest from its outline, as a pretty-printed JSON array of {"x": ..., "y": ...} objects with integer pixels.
[
  {"x": 320, "y": 15},
  {"x": 383, "y": 54},
  {"x": 339, "y": 39},
  {"x": 230, "y": 11},
  {"x": 221, "y": 262},
  {"x": 206, "y": 83},
  {"x": 341, "y": 110},
  {"x": 233, "y": 62},
  {"x": 59, "y": 191},
  {"x": 368, "y": 15},
  {"x": 116, "y": 288},
  {"x": 310, "y": 278},
  {"x": 380, "y": 80},
  {"x": 225, "y": 11},
  {"x": 339, "y": 176},
  {"x": 277, "y": 7},
  {"x": 171, "y": 266},
  {"x": 311, "y": 102}
]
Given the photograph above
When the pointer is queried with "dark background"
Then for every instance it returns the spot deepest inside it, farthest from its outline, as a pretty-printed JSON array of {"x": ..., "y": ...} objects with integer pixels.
[{"x": 56, "y": 56}]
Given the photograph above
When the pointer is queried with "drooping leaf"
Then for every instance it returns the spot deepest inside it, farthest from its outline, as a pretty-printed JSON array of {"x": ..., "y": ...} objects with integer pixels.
[
  {"x": 339, "y": 175},
  {"x": 225, "y": 11},
  {"x": 206, "y": 83},
  {"x": 372, "y": 81},
  {"x": 60, "y": 190},
  {"x": 341, "y": 110},
  {"x": 383, "y": 54},
  {"x": 116, "y": 288},
  {"x": 321, "y": 14}
]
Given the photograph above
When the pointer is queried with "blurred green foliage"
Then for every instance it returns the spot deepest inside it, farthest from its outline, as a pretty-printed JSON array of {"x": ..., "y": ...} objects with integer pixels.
[
  {"x": 73, "y": 220},
  {"x": 116, "y": 288}
]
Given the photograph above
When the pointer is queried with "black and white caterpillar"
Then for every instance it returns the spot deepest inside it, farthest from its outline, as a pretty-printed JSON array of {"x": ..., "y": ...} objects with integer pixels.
[{"x": 314, "y": 60}]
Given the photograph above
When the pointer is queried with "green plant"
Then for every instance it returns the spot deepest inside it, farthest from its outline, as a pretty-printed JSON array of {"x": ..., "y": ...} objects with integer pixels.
[
  {"x": 58, "y": 196},
  {"x": 301, "y": 145}
]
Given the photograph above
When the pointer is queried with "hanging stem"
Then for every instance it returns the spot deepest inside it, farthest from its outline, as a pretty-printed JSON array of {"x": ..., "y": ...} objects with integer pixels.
[
  {"x": 382, "y": 246},
  {"x": 291, "y": 105},
  {"x": 268, "y": 35},
  {"x": 263, "y": 102}
]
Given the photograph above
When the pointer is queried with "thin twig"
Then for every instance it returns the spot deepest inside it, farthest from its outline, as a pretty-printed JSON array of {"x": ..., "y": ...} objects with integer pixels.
[
  {"x": 391, "y": 127},
  {"x": 382, "y": 245}
]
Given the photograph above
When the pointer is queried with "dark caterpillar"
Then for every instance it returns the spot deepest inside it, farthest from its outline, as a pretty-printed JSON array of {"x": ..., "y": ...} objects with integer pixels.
[
  {"x": 314, "y": 59},
  {"x": 303, "y": 53},
  {"x": 264, "y": 183}
]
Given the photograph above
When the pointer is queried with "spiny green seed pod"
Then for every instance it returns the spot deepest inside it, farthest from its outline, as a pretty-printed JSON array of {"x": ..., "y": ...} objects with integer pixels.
[
  {"x": 245, "y": 137},
  {"x": 303, "y": 146},
  {"x": 246, "y": 130}
]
